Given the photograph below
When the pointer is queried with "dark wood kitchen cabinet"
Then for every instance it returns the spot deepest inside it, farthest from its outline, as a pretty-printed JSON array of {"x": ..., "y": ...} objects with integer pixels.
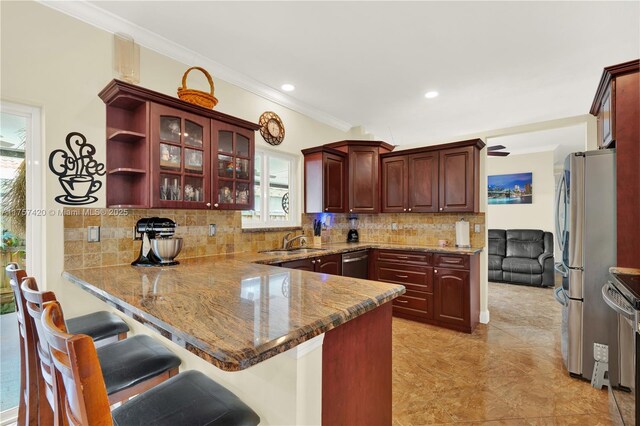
[
  {"x": 363, "y": 182},
  {"x": 329, "y": 264},
  {"x": 459, "y": 179},
  {"x": 414, "y": 271},
  {"x": 440, "y": 178},
  {"x": 441, "y": 288},
  {"x": 325, "y": 177},
  {"x": 166, "y": 153},
  {"x": 394, "y": 184},
  {"x": 617, "y": 107}
]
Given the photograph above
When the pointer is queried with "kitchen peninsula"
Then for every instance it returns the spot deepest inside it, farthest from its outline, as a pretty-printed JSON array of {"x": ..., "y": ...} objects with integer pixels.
[{"x": 235, "y": 314}]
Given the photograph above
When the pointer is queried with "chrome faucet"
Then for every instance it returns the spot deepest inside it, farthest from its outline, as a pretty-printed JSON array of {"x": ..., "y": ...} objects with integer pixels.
[{"x": 286, "y": 241}]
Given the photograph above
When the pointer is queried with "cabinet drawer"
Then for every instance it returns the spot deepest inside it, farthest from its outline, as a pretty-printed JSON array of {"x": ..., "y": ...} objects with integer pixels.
[
  {"x": 460, "y": 261},
  {"x": 419, "y": 306},
  {"x": 413, "y": 277},
  {"x": 404, "y": 256}
]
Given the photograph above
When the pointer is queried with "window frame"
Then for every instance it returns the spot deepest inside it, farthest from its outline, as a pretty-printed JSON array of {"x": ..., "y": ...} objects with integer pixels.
[{"x": 294, "y": 212}]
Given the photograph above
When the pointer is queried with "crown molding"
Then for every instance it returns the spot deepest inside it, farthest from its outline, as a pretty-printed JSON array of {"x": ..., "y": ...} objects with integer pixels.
[{"x": 107, "y": 21}]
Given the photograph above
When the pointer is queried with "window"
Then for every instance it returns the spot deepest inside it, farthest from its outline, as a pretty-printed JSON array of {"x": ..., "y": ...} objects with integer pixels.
[{"x": 275, "y": 203}]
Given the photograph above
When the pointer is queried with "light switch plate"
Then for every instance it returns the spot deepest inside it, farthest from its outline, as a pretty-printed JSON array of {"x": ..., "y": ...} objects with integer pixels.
[
  {"x": 212, "y": 229},
  {"x": 93, "y": 234},
  {"x": 476, "y": 228},
  {"x": 394, "y": 226}
]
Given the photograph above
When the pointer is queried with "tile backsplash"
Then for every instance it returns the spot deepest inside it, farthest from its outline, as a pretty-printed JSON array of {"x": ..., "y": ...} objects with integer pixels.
[
  {"x": 117, "y": 246},
  {"x": 410, "y": 228}
]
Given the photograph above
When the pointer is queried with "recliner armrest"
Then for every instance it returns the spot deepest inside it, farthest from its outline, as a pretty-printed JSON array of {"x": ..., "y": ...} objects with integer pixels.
[{"x": 543, "y": 257}]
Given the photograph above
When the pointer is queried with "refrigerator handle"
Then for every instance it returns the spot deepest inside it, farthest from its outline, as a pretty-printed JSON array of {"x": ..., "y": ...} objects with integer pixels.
[
  {"x": 560, "y": 296},
  {"x": 561, "y": 268},
  {"x": 560, "y": 193}
]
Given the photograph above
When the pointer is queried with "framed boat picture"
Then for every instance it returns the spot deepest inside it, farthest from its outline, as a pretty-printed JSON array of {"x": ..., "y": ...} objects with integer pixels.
[{"x": 516, "y": 188}]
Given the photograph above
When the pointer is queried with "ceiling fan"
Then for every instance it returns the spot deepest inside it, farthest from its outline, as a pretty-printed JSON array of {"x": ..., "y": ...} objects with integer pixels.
[{"x": 495, "y": 151}]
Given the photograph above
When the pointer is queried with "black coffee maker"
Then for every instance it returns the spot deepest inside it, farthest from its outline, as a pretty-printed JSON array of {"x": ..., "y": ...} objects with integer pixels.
[{"x": 352, "y": 236}]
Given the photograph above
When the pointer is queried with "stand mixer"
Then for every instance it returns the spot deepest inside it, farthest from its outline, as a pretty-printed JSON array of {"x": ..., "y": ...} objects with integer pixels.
[{"x": 158, "y": 248}]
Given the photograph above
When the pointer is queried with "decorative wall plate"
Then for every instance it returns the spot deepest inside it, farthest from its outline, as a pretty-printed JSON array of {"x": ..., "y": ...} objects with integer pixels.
[{"x": 271, "y": 128}]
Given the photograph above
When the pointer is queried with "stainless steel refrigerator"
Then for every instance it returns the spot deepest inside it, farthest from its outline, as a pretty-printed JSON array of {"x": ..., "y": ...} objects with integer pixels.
[{"x": 586, "y": 230}]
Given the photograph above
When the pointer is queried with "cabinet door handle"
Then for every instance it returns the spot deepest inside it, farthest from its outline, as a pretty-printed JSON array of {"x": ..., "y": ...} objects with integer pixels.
[
  {"x": 208, "y": 204},
  {"x": 441, "y": 209},
  {"x": 405, "y": 210},
  {"x": 326, "y": 209},
  {"x": 402, "y": 301},
  {"x": 435, "y": 271},
  {"x": 409, "y": 209},
  {"x": 402, "y": 276},
  {"x": 350, "y": 210},
  {"x": 403, "y": 257},
  {"x": 318, "y": 261},
  {"x": 216, "y": 205},
  {"x": 313, "y": 261}
]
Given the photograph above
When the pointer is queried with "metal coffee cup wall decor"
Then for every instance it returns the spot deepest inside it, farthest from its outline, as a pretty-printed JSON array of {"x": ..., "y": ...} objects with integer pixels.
[{"x": 76, "y": 170}]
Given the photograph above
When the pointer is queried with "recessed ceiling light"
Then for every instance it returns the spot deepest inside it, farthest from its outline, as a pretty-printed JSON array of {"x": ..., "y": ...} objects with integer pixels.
[
  {"x": 432, "y": 94},
  {"x": 288, "y": 87}
]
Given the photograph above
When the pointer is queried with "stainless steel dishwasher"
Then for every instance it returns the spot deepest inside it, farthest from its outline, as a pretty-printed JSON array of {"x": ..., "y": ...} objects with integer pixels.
[{"x": 356, "y": 264}]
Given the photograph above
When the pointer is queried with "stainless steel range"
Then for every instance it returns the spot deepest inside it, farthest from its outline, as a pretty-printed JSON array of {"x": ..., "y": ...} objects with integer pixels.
[{"x": 622, "y": 294}]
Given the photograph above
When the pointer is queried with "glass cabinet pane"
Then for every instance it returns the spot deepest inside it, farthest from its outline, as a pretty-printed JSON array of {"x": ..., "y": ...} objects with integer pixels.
[
  {"x": 242, "y": 169},
  {"x": 170, "y": 187},
  {"x": 242, "y": 145},
  {"x": 242, "y": 193},
  {"x": 225, "y": 192},
  {"x": 225, "y": 166},
  {"x": 193, "y": 134},
  {"x": 225, "y": 141},
  {"x": 170, "y": 156},
  {"x": 193, "y": 160},
  {"x": 170, "y": 129},
  {"x": 193, "y": 190}
]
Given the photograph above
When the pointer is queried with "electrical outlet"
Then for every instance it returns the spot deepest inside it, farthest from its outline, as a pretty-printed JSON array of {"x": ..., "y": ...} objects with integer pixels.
[
  {"x": 212, "y": 229},
  {"x": 93, "y": 234},
  {"x": 394, "y": 226},
  {"x": 476, "y": 228}
]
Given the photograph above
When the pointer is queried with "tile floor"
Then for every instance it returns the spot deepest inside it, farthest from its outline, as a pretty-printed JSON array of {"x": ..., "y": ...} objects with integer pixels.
[{"x": 508, "y": 372}]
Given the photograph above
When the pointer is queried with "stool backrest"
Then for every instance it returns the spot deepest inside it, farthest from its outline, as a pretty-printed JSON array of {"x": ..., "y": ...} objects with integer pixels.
[
  {"x": 81, "y": 389},
  {"x": 34, "y": 301},
  {"x": 28, "y": 403}
]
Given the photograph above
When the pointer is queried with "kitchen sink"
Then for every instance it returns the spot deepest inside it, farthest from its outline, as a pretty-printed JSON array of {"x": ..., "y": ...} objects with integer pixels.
[{"x": 293, "y": 250}]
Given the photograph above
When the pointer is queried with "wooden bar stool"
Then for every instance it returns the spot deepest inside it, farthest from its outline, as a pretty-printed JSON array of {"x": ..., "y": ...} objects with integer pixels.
[
  {"x": 27, "y": 406},
  {"x": 128, "y": 366},
  {"x": 190, "y": 398}
]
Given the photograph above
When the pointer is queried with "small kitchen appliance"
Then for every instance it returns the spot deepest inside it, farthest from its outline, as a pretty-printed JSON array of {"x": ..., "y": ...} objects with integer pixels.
[
  {"x": 158, "y": 247},
  {"x": 352, "y": 236}
]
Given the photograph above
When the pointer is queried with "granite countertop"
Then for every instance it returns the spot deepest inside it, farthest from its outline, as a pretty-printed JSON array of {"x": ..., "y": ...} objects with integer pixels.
[
  {"x": 231, "y": 312},
  {"x": 336, "y": 248},
  {"x": 624, "y": 271},
  {"x": 235, "y": 310}
]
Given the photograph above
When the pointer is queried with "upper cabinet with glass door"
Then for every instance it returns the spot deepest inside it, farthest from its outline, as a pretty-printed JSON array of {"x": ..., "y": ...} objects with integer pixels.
[
  {"x": 164, "y": 152},
  {"x": 232, "y": 159},
  {"x": 180, "y": 147}
]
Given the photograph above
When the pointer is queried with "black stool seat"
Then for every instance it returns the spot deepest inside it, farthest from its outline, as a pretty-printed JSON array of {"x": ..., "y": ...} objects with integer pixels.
[
  {"x": 98, "y": 325},
  {"x": 190, "y": 398},
  {"x": 134, "y": 360}
]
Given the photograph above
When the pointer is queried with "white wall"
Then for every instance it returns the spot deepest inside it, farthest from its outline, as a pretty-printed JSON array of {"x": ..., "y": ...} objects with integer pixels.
[
  {"x": 59, "y": 64},
  {"x": 540, "y": 213}
]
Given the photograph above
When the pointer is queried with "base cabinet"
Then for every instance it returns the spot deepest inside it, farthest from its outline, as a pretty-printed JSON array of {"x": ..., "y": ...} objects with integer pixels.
[
  {"x": 330, "y": 264},
  {"x": 441, "y": 289},
  {"x": 452, "y": 296}
]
